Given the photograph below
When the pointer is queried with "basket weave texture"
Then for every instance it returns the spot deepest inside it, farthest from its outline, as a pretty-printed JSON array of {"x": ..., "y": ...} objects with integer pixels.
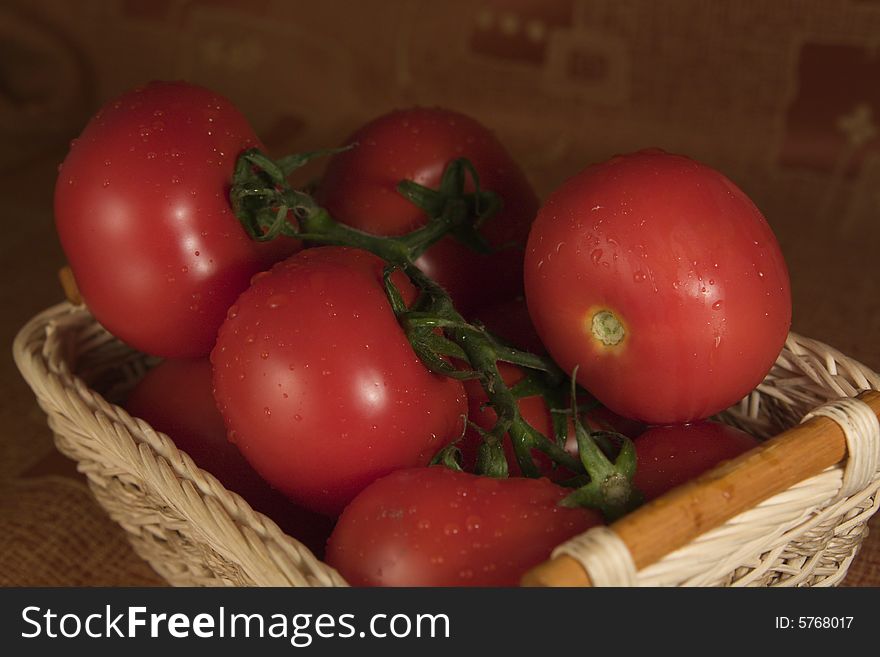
[{"x": 194, "y": 532}]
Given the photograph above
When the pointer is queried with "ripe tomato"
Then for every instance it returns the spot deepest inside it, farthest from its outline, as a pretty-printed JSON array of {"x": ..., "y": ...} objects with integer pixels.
[
  {"x": 143, "y": 216},
  {"x": 669, "y": 456},
  {"x": 175, "y": 397},
  {"x": 320, "y": 387},
  {"x": 359, "y": 189},
  {"x": 662, "y": 282},
  {"x": 438, "y": 527}
]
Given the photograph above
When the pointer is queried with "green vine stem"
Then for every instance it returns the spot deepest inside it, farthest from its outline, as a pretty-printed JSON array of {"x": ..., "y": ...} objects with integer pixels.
[{"x": 268, "y": 207}]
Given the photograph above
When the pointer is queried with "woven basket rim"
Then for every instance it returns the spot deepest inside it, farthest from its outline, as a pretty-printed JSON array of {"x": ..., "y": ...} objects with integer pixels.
[
  {"x": 35, "y": 369},
  {"x": 37, "y": 350}
]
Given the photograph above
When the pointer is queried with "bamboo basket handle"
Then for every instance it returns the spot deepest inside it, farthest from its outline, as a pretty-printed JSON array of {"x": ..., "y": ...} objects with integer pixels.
[
  {"x": 68, "y": 284},
  {"x": 673, "y": 520}
]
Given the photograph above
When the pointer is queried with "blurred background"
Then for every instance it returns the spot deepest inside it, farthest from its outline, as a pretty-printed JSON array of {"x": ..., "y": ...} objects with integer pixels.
[{"x": 782, "y": 97}]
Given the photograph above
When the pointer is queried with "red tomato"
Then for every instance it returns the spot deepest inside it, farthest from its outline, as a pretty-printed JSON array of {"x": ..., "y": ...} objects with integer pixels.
[
  {"x": 320, "y": 387},
  {"x": 662, "y": 282},
  {"x": 669, "y": 456},
  {"x": 438, "y": 527},
  {"x": 359, "y": 189},
  {"x": 175, "y": 398},
  {"x": 142, "y": 211}
]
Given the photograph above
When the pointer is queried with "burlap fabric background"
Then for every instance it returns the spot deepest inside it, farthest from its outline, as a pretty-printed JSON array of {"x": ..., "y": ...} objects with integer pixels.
[{"x": 782, "y": 96}]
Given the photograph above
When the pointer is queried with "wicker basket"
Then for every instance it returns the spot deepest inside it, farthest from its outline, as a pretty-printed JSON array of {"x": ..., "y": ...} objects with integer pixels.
[{"x": 195, "y": 532}]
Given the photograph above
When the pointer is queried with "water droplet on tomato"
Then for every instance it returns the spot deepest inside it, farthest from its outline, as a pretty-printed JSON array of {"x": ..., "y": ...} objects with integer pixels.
[
  {"x": 451, "y": 529},
  {"x": 473, "y": 523},
  {"x": 717, "y": 305},
  {"x": 639, "y": 276},
  {"x": 106, "y": 183},
  {"x": 276, "y": 301},
  {"x": 298, "y": 417},
  {"x": 151, "y": 155},
  {"x": 596, "y": 256},
  {"x": 264, "y": 355},
  {"x": 267, "y": 411}
]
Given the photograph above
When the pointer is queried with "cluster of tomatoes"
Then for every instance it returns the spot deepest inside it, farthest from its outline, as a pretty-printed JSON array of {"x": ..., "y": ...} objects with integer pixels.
[{"x": 447, "y": 392}]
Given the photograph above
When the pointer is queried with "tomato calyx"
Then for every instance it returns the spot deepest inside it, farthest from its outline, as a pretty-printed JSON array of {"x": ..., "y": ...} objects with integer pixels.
[
  {"x": 608, "y": 485},
  {"x": 265, "y": 204},
  {"x": 449, "y": 205}
]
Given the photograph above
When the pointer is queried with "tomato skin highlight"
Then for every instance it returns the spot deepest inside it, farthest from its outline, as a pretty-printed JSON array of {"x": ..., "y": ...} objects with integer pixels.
[
  {"x": 176, "y": 398},
  {"x": 438, "y": 527},
  {"x": 142, "y": 212},
  {"x": 669, "y": 456},
  {"x": 359, "y": 185},
  {"x": 319, "y": 386},
  {"x": 669, "y": 257}
]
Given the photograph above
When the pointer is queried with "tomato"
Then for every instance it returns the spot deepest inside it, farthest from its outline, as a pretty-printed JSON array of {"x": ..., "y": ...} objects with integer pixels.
[
  {"x": 142, "y": 211},
  {"x": 318, "y": 384},
  {"x": 175, "y": 397},
  {"x": 359, "y": 188},
  {"x": 669, "y": 456},
  {"x": 438, "y": 527},
  {"x": 662, "y": 282}
]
